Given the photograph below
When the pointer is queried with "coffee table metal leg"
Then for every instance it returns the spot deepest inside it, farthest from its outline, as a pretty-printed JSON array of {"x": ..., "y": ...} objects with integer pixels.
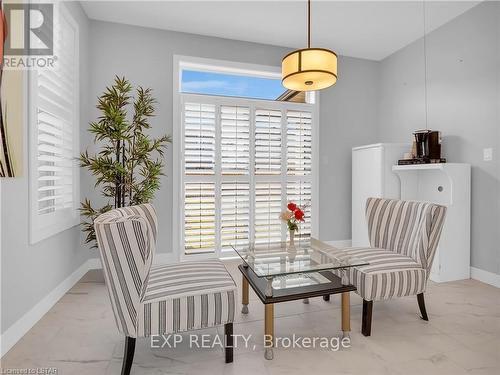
[
  {"x": 344, "y": 277},
  {"x": 346, "y": 314},
  {"x": 269, "y": 287},
  {"x": 269, "y": 330},
  {"x": 244, "y": 296}
]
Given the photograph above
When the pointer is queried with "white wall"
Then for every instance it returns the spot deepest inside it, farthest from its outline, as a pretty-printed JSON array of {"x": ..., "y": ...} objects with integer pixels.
[
  {"x": 31, "y": 272},
  {"x": 348, "y": 118},
  {"x": 145, "y": 57},
  {"x": 463, "y": 67}
]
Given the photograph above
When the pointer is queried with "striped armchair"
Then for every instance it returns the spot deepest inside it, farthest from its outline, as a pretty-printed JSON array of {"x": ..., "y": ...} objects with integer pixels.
[
  {"x": 403, "y": 237},
  {"x": 154, "y": 300}
]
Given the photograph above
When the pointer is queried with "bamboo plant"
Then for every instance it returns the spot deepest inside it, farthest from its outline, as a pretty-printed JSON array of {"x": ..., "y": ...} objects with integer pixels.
[{"x": 129, "y": 164}]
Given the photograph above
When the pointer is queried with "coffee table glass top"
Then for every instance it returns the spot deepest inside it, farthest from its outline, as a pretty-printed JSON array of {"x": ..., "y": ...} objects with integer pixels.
[{"x": 311, "y": 255}]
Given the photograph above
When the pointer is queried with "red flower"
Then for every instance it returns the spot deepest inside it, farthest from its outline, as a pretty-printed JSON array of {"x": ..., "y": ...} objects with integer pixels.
[
  {"x": 299, "y": 214},
  {"x": 292, "y": 206}
]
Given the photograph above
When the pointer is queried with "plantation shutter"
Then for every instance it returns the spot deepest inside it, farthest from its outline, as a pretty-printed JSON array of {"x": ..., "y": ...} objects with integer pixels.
[
  {"x": 267, "y": 210},
  {"x": 199, "y": 217},
  {"x": 299, "y": 143},
  {"x": 267, "y": 142},
  {"x": 235, "y": 140},
  {"x": 299, "y": 164},
  {"x": 243, "y": 160},
  {"x": 300, "y": 193},
  {"x": 56, "y": 121},
  {"x": 199, "y": 139},
  {"x": 235, "y": 214}
]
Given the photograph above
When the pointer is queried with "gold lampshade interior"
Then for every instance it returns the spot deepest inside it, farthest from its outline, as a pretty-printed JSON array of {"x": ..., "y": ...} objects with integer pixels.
[{"x": 309, "y": 69}]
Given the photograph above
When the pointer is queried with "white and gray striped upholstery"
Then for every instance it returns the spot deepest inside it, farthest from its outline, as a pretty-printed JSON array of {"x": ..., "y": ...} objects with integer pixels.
[
  {"x": 403, "y": 236},
  {"x": 388, "y": 274},
  {"x": 199, "y": 295},
  {"x": 163, "y": 299},
  {"x": 410, "y": 228}
]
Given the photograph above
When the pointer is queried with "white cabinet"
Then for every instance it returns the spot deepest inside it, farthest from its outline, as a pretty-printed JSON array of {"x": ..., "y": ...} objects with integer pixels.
[
  {"x": 447, "y": 184},
  {"x": 372, "y": 176}
]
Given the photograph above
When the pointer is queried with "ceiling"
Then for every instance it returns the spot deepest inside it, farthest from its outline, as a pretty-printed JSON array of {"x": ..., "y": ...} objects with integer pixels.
[{"x": 369, "y": 29}]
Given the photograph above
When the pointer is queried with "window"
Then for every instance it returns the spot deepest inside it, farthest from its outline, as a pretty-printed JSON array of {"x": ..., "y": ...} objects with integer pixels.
[
  {"x": 223, "y": 84},
  {"x": 53, "y": 129},
  {"x": 240, "y": 157},
  {"x": 242, "y": 160}
]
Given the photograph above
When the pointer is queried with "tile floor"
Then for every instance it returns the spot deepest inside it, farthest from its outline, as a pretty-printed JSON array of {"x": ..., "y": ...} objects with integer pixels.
[{"x": 78, "y": 336}]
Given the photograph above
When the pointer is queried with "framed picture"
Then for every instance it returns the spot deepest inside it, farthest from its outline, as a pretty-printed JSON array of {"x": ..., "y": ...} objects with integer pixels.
[{"x": 11, "y": 111}]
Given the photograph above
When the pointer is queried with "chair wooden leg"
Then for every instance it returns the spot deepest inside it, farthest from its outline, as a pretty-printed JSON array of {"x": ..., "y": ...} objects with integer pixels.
[
  {"x": 128, "y": 355},
  {"x": 421, "y": 305},
  {"x": 366, "y": 324},
  {"x": 228, "y": 333}
]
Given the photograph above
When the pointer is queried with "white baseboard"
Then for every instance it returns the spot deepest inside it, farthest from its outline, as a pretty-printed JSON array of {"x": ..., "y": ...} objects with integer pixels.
[
  {"x": 94, "y": 264},
  {"x": 485, "y": 276},
  {"x": 16, "y": 331}
]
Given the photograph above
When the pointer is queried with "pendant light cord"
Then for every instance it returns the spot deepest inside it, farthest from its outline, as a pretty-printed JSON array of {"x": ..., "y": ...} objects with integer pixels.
[
  {"x": 308, "y": 23},
  {"x": 425, "y": 67}
]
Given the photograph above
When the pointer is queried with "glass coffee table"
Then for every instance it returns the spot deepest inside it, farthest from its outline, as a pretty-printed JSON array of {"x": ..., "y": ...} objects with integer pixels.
[{"x": 278, "y": 272}]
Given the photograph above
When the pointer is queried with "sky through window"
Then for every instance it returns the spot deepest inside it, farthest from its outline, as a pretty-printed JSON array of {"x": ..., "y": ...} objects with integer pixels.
[{"x": 208, "y": 83}]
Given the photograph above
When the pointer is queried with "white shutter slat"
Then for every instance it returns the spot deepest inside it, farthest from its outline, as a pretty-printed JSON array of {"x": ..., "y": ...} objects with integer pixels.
[
  {"x": 56, "y": 94},
  {"x": 235, "y": 140},
  {"x": 299, "y": 192},
  {"x": 53, "y": 124},
  {"x": 49, "y": 129},
  {"x": 235, "y": 211},
  {"x": 299, "y": 143},
  {"x": 55, "y": 107},
  {"x": 50, "y": 158},
  {"x": 267, "y": 211},
  {"x": 199, "y": 217},
  {"x": 56, "y": 83},
  {"x": 199, "y": 139},
  {"x": 49, "y": 178},
  {"x": 54, "y": 150},
  {"x": 267, "y": 142},
  {"x": 55, "y": 120},
  {"x": 50, "y": 188}
]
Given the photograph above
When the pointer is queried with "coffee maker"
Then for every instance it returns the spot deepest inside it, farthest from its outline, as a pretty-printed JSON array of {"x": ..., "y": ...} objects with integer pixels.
[
  {"x": 421, "y": 143},
  {"x": 427, "y": 148}
]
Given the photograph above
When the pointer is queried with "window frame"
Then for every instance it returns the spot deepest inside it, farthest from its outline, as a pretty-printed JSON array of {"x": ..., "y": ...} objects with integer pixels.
[
  {"x": 48, "y": 225},
  {"x": 179, "y": 98}
]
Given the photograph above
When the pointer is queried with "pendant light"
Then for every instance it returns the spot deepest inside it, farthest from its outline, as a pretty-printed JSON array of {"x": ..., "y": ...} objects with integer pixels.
[{"x": 309, "y": 68}]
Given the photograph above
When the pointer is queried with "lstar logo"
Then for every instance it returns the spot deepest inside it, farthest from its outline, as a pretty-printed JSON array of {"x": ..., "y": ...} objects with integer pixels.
[{"x": 31, "y": 28}]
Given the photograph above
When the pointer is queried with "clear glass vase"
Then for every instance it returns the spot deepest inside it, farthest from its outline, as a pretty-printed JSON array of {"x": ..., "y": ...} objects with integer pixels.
[{"x": 292, "y": 237}]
